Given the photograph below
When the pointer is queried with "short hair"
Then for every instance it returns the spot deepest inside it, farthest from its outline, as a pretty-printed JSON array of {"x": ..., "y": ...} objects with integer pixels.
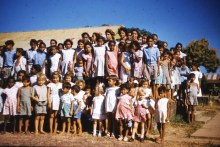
[
  {"x": 41, "y": 76},
  {"x": 42, "y": 43},
  {"x": 125, "y": 86},
  {"x": 80, "y": 81},
  {"x": 21, "y": 71},
  {"x": 122, "y": 29},
  {"x": 80, "y": 41},
  {"x": 53, "y": 40},
  {"x": 161, "y": 89},
  {"x": 136, "y": 43},
  {"x": 111, "y": 41},
  {"x": 54, "y": 46},
  {"x": 37, "y": 67},
  {"x": 85, "y": 33},
  {"x": 10, "y": 78},
  {"x": 100, "y": 37},
  {"x": 179, "y": 44},
  {"x": 20, "y": 50},
  {"x": 68, "y": 40},
  {"x": 144, "y": 80},
  {"x": 192, "y": 75},
  {"x": 76, "y": 88},
  {"x": 60, "y": 44},
  {"x": 113, "y": 77},
  {"x": 26, "y": 78},
  {"x": 149, "y": 37},
  {"x": 9, "y": 42},
  {"x": 66, "y": 85},
  {"x": 33, "y": 41},
  {"x": 136, "y": 30}
]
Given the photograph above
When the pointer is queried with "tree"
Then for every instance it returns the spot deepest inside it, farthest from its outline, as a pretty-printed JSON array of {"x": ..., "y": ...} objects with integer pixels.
[{"x": 199, "y": 52}]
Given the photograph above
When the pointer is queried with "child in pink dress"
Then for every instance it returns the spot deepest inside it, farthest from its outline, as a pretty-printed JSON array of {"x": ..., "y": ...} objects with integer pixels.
[
  {"x": 88, "y": 59},
  {"x": 111, "y": 57},
  {"x": 10, "y": 105},
  {"x": 139, "y": 114},
  {"x": 124, "y": 112}
]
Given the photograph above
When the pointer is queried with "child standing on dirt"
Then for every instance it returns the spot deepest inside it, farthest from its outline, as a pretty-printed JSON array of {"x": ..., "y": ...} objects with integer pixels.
[
  {"x": 192, "y": 91},
  {"x": 97, "y": 110},
  {"x": 161, "y": 113},
  {"x": 124, "y": 112}
]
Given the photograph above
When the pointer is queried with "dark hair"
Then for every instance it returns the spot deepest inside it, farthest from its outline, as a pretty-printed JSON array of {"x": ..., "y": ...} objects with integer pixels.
[
  {"x": 161, "y": 89},
  {"x": 178, "y": 45},
  {"x": 96, "y": 34},
  {"x": 136, "y": 43},
  {"x": 9, "y": 42},
  {"x": 60, "y": 44},
  {"x": 80, "y": 41},
  {"x": 192, "y": 75},
  {"x": 113, "y": 77},
  {"x": 26, "y": 78},
  {"x": 111, "y": 41},
  {"x": 39, "y": 41},
  {"x": 33, "y": 41},
  {"x": 100, "y": 37},
  {"x": 122, "y": 29},
  {"x": 22, "y": 71},
  {"x": 54, "y": 46},
  {"x": 37, "y": 67},
  {"x": 136, "y": 30},
  {"x": 149, "y": 37},
  {"x": 154, "y": 35},
  {"x": 84, "y": 33},
  {"x": 53, "y": 40},
  {"x": 42, "y": 43},
  {"x": 125, "y": 86},
  {"x": 10, "y": 78},
  {"x": 66, "y": 85},
  {"x": 20, "y": 50},
  {"x": 76, "y": 88},
  {"x": 111, "y": 32},
  {"x": 68, "y": 40}
]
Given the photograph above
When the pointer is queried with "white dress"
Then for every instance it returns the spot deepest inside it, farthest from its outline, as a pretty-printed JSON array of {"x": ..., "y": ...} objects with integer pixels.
[
  {"x": 98, "y": 107},
  {"x": 20, "y": 66},
  {"x": 198, "y": 75},
  {"x": 127, "y": 61},
  {"x": 161, "y": 111},
  {"x": 54, "y": 95},
  {"x": 54, "y": 62},
  {"x": 80, "y": 96},
  {"x": 111, "y": 94},
  {"x": 99, "y": 63},
  {"x": 1, "y": 100},
  {"x": 67, "y": 59}
]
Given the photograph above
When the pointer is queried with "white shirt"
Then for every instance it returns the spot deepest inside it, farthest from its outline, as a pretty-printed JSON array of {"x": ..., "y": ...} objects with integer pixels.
[
  {"x": 67, "y": 98},
  {"x": 55, "y": 61}
]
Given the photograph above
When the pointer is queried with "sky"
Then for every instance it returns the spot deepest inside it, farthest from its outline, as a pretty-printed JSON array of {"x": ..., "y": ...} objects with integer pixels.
[{"x": 173, "y": 20}]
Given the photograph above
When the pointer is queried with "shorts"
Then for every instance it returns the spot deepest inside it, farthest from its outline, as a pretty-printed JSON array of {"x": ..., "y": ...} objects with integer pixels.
[
  {"x": 78, "y": 115},
  {"x": 65, "y": 110},
  {"x": 151, "y": 71},
  {"x": 41, "y": 107}
]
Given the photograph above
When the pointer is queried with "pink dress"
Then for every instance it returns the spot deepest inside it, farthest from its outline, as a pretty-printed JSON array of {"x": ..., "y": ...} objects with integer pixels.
[
  {"x": 10, "y": 104},
  {"x": 112, "y": 63},
  {"x": 88, "y": 60},
  {"x": 137, "y": 66},
  {"x": 79, "y": 52},
  {"x": 124, "y": 110},
  {"x": 140, "y": 112}
]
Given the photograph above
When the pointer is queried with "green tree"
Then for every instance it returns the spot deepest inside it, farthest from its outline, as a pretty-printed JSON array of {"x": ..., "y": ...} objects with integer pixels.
[{"x": 199, "y": 52}]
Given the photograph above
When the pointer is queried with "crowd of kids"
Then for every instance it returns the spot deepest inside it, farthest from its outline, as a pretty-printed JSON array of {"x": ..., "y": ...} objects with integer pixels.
[{"x": 105, "y": 86}]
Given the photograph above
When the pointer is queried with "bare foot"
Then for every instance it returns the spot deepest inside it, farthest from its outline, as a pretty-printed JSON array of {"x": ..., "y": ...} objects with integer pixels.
[
  {"x": 42, "y": 132},
  {"x": 158, "y": 140},
  {"x": 36, "y": 133}
]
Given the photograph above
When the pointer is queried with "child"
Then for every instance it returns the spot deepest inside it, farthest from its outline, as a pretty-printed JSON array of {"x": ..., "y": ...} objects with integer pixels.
[
  {"x": 24, "y": 103},
  {"x": 124, "y": 112},
  {"x": 76, "y": 109},
  {"x": 40, "y": 56},
  {"x": 10, "y": 103},
  {"x": 67, "y": 57},
  {"x": 68, "y": 78},
  {"x": 53, "y": 92},
  {"x": 99, "y": 59},
  {"x": 54, "y": 60},
  {"x": 79, "y": 71},
  {"x": 161, "y": 113},
  {"x": 98, "y": 112},
  {"x": 41, "y": 99},
  {"x": 111, "y": 94},
  {"x": 30, "y": 53},
  {"x": 139, "y": 114},
  {"x": 66, "y": 107},
  {"x": 79, "y": 51},
  {"x": 20, "y": 76},
  {"x": 145, "y": 85},
  {"x": 125, "y": 62},
  {"x": 137, "y": 56},
  {"x": 1, "y": 100},
  {"x": 35, "y": 70},
  {"x": 166, "y": 70},
  {"x": 111, "y": 59},
  {"x": 20, "y": 63},
  {"x": 192, "y": 92}
]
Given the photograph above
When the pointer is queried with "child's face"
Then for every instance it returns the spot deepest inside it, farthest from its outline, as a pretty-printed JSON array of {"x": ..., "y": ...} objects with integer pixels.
[
  {"x": 68, "y": 45},
  {"x": 108, "y": 36},
  {"x": 100, "y": 42},
  {"x": 55, "y": 78},
  {"x": 88, "y": 91},
  {"x": 112, "y": 46},
  {"x": 173, "y": 62},
  {"x": 18, "y": 54},
  {"x": 42, "y": 48},
  {"x": 150, "y": 42},
  {"x": 122, "y": 34},
  {"x": 53, "y": 43},
  {"x": 88, "y": 48},
  {"x": 81, "y": 85},
  {"x": 11, "y": 83},
  {"x": 124, "y": 91},
  {"x": 134, "y": 35},
  {"x": 40, "y": 81},
  {"x": 145, "y": 85},
  {"x": 80, "y": 45},
  {"x": 111, "y": 82},
  {"x": 96, "y": 91},
  {"x": 65, "y": 90},
  {"x": 53, "y": 50},
  {"x": 9, "y": 47},
  {"x": 20, "y": 76},
  {"x": 86, "y": 38},
  {"x": 68, "y": 79},
  {"x": 134, "y": 47},
  {"x": 80, "y": 63},
  {"x": 131, "y": 81},
  {"x": 33, "y": 45},
  {"x": 26, "y": 83},
  {"x": 144, "y": 39},
  {"x": 141, "y": 96}
]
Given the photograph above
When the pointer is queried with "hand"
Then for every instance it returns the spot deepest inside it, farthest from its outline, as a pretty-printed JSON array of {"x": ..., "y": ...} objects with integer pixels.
[
  {"x": 75, "y": 112},
  {"x": 71, "y": 113},
  {"x": 133, "y": 51},
  {"x": 127, "y": 70},
  {"x": 18, "y": 109},
  {"x": 49, "y": 105}
]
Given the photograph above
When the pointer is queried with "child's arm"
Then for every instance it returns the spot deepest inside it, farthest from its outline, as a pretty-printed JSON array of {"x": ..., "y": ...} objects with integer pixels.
[
  {"x": 59, "y": 64},
  {"x": 35, "y": 98},
  {"x": 197, "y": 88},
  {"x": 18, "y": 99},
  {"x": 74, "y": 61},
  {"x": 91, "y": 112},
  {"x": 49, "y": 98},
  {"x": 168, "y": 110},
  {"x": 79, "y": 106},
  {"x": 136, "y": 56},
  {"x": 44, "y": 65},
  {"x": 71, "y": 108}
]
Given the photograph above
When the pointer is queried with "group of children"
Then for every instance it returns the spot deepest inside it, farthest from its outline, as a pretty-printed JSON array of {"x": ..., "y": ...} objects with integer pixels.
[{"x": 124, "y": 82}]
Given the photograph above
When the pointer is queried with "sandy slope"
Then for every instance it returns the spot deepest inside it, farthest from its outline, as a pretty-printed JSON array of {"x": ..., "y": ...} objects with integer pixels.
[{"x": 22, "y": 39}]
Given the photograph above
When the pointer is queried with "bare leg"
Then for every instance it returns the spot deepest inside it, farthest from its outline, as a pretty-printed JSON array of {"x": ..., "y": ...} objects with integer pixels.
[
  {"x": 55, "y": 121},
  {"x": 68, "y": 125},
  {"x": 163, "y": 132},
  {"x": 26, "y": 124},
  {"x": 51, "y": 122},
  {"x": 37, "y": 117},
  {"x": 63, "y": 125},
  {"x": 74, "y": 127},
  {"x": 148, "y": 125},
  {"x": 6, "y": 118},
  {"x": 14, "y": 123},
  {"x": 121, "y": 127},
  {"x": 78, "y": 120},
  {"x": 20, "y": 124},
  {"x": 42, "y": 124},
  {"x": 94, "y": 127}
]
